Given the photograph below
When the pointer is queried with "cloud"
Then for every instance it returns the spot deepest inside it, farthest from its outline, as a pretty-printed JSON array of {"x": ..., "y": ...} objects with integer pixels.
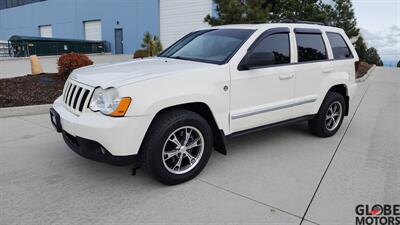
[
  {"x": 386, "y": 41},
  {"x": 395, "y": 29}
]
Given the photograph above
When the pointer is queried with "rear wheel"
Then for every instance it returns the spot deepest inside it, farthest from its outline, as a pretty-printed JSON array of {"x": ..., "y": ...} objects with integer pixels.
[
  {"x": 330, "y": 116},
  {"x": 177, "y": 147}
]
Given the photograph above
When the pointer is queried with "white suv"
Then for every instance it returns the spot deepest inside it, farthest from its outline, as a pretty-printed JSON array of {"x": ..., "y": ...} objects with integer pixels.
[{"x": 167, "y": 113}]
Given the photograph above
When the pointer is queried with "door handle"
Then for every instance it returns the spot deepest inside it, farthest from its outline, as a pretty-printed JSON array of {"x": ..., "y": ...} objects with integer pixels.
[
  {"x": 327, "y": 70},
  {"x": 286, "y": 77}
]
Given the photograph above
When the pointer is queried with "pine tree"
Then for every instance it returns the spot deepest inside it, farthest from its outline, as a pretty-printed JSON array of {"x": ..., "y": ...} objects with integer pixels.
[
  {"x": 361, "y": 48},
  {"x": 345, "y": 18},
  {"x": 373, "y": 57},
  {"x": 250, "y": 11},
  {"x": 240, "y": 11},
  {"x": 310, "y": 10}
]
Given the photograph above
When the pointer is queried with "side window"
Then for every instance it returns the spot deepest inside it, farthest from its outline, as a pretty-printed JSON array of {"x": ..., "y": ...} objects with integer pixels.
[
  {"x": 339, "y": 47},
  {"x": 310, "y": 47},
  {"x": 273, "y": 50}
]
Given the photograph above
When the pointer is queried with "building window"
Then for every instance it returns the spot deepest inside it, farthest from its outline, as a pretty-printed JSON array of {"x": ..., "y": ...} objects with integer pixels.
[
  {"x": 46, "y": 31},
  {"x": 4, "y": 4},
  {"x": 92, "y": 30}
]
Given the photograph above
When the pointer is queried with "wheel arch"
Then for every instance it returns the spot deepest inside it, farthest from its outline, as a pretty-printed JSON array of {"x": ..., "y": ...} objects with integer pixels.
[
  {"x": 203, "y": 110},
  {"x": 343, "y": 90}
]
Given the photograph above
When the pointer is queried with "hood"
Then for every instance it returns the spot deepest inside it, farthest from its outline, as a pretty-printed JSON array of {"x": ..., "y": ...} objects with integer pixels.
[{"x": 122, "y": 73}]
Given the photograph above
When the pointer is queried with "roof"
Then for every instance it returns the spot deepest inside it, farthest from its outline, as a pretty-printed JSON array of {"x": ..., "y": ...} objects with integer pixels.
[{"x": 31, "y": 38}]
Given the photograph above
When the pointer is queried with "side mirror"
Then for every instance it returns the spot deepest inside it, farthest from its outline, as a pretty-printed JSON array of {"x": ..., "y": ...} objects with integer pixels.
[{"x": 257, "y": 59}]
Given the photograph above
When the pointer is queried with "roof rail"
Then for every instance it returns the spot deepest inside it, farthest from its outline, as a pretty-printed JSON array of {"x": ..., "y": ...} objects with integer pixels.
[
  {"x": 288, "y": 20},
  {"x": 258, "y": 22}
]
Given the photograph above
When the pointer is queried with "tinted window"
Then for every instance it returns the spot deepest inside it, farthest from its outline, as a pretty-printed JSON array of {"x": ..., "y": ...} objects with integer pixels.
[
  {"x": 274, "y": 49},
  {"x": 213, "y": 46},
  {"x": 339, "y": 47},
  {"x": 310, "y": 47}
]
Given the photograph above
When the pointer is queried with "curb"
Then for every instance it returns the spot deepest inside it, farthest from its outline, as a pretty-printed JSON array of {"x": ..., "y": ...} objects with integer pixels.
[
  {"x": 363, "y": 78},
  {"x": 24, "y": 110}
]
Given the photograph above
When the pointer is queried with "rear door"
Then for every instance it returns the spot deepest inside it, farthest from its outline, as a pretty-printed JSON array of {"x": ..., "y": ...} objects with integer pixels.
[{"x": 312, "y": 70}]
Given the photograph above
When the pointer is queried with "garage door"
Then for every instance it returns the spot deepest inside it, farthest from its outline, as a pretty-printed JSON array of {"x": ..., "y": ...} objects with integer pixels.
[
  {"x": 93, "y": 30},
  {"x": 46, "y": 31},
  {"x": 178, "y": 18}
]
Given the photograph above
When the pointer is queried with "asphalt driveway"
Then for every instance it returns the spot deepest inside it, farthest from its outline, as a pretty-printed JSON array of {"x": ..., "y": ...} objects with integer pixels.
[{"x": 279, "y": 176}]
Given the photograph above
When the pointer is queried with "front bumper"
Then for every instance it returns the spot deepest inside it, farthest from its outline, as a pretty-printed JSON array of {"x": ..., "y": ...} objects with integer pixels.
[
  {"x": 120, "y": 136},
  {"x": 94, "y": 151}
]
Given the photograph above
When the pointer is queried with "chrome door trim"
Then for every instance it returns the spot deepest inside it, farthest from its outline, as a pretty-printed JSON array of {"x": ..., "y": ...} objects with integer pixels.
[{"x": 281, "y": 105}]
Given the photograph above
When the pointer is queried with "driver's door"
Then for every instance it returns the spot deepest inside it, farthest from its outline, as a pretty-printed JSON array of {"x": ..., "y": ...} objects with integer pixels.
[{"x": 262, "y": 92}]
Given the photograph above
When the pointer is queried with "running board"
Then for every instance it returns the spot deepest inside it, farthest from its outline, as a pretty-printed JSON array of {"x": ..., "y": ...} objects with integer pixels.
[{"x": 269, "y": 126}]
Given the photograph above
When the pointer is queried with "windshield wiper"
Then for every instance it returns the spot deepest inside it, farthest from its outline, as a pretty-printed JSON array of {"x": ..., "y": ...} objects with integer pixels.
[
  {"x": 178, "y": 57},
  {"x": 192, "y": 59}
]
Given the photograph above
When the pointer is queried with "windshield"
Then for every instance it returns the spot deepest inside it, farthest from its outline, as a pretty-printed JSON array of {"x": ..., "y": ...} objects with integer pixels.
[{"x": 211, "y": 46}]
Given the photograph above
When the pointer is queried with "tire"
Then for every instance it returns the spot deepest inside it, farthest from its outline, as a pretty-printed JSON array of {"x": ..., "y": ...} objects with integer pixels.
[
  {"x": 161, "y": 153},
  {"x": 321, "y": 125}
]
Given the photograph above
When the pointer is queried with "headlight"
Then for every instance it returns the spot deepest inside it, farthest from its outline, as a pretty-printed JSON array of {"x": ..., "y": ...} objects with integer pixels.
[{"x": 108, "y": 102}]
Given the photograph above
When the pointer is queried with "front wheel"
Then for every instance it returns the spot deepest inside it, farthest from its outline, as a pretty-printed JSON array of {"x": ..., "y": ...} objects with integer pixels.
[
  {"x": 177, "y": 146},
  {"x": 330, "y": 116}
]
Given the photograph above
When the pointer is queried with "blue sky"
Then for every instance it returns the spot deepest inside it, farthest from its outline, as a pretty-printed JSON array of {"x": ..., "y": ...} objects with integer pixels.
[{"x": 379, "y": 21}]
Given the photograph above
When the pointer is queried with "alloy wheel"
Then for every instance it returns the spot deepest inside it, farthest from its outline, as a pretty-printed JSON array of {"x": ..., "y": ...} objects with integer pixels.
[
  {"x": 183, "y": 149},
  {"x": 333, "y": 115}
]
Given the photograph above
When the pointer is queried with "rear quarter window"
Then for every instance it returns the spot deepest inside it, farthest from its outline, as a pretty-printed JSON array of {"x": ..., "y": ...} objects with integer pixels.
[
  {"x": 310, "y": 47},
  {"x": 340, "y": 49}
]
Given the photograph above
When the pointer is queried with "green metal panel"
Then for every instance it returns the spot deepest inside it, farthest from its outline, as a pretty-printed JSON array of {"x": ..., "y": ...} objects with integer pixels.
[{"x": 23, "y": 46}]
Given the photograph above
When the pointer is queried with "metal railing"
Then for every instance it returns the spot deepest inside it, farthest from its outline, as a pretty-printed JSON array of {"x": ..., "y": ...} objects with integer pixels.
[{"x": 4, "y": 49}]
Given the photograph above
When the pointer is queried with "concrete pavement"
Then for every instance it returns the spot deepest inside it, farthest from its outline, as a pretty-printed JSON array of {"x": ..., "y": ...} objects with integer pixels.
[
  {"x": 279, "y": 176},
  {"x": 366, "y": 168}
]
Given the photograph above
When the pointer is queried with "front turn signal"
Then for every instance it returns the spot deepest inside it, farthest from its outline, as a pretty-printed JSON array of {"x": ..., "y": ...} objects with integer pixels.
[{"x": 122, "y": 107}]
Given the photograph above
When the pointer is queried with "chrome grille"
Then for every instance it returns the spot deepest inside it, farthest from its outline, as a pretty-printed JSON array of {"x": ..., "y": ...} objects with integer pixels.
[{"x": 76, "y": 96}]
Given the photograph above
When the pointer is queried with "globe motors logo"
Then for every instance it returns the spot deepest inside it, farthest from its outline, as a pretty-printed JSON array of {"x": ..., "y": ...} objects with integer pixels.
[{"x": 378, "y": 214}]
